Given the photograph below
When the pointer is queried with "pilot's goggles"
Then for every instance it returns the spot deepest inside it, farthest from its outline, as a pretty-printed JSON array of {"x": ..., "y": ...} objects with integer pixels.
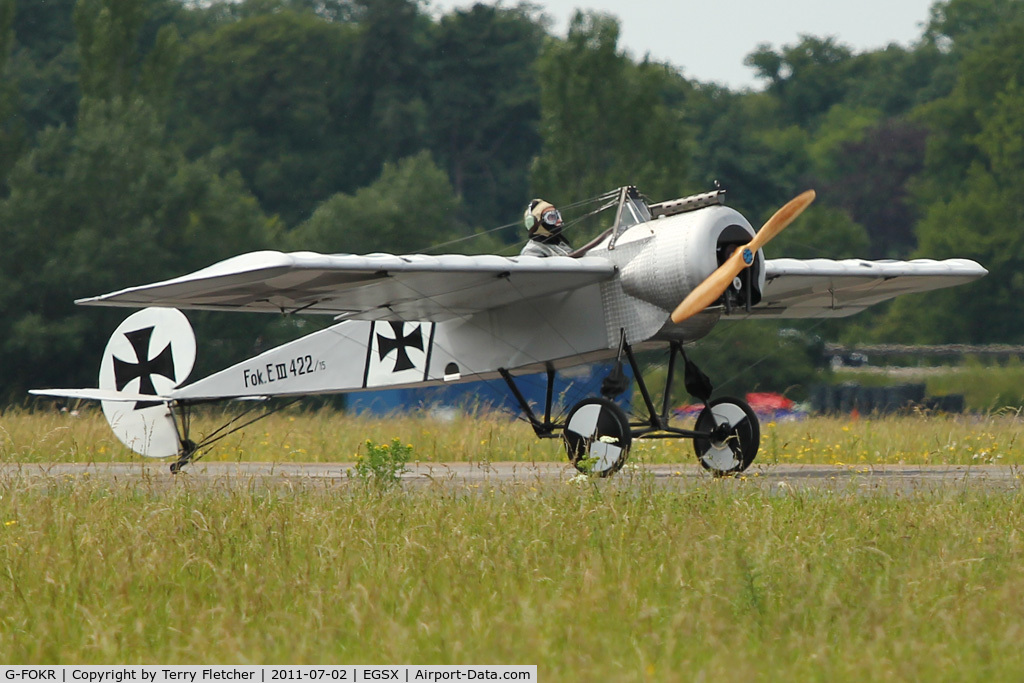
[{"x": 551, "y": 217}]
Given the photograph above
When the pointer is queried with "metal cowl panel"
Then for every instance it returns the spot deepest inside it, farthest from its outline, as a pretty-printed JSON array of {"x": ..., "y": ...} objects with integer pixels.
[{"x": 681, "y": 254}]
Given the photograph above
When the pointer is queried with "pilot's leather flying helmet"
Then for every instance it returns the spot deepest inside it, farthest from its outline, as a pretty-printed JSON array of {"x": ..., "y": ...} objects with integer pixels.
[{"x": 542, "y": 218}]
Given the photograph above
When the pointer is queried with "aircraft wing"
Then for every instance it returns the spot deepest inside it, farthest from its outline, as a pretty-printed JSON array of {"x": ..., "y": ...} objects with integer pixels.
[
  {"x": 823, "y": 288},
  {"x": 371, "y": 287}
]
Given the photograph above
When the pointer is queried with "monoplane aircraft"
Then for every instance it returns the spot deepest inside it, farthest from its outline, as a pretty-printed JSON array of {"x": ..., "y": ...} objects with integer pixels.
[{"x": 660, "y": 275}]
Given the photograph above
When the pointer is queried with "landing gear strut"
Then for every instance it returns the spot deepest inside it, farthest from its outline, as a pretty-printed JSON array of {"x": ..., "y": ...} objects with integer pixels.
[
  {"x": 726, "y": 436},
  {"x": 597, "y": 433}
]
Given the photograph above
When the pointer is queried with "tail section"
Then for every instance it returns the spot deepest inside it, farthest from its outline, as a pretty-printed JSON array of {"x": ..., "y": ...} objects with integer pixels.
[{"x": 149, "y": 354}]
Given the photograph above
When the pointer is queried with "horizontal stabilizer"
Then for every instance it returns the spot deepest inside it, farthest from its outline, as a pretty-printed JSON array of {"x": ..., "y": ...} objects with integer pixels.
[
  {"x": 109, "y": 395},
  {"x": 100, "y": 395}
]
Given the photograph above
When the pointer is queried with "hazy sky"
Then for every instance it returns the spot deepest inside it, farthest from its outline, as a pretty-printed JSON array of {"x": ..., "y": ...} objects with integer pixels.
[{"x": 708, "y": 40}]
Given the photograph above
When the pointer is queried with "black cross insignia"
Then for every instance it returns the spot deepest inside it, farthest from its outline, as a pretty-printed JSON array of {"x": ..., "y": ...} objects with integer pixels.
[
  {"x": 386, "y": 345},
  {"x": 145, "y": 367}
]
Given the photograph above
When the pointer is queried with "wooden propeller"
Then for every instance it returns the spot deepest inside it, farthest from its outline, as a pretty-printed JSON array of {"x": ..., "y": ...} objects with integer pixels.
[{"x": 704, "y": 294}]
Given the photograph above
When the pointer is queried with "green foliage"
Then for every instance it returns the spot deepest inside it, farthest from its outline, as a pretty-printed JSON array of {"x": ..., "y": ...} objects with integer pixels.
[
  {"x": 140, "y": 139},
  {"x": 987, "y": 77},
  {"x": 104, "y": 207},
  {"x": 108, "y": 32},
  {"x": 409, "y": 208},
  {"x": 987, "y": 387},
  {"x": 821, "y": 232},
  {"x": 964, "y": 25},
  {"x": 894, "y": 80},
  {"x": 981, "y": 223},
  {"x": 6, "y": 30},
  {"x": 840, "y": 127},
  {"x": 389, "y": 96},
  {"x": 744, "y": 151},
  {"x": 1001, "y": 136},
  {"x": 869, "y": 176},
  {"x": 44, "y": 64},
  {"x": 383, "y": 464},
  {"x": 272, "y": 96},
  {"x": 973, "y": 207},
  {"x": 482, "y": 107},
  {"x": 808, "y": 78},
  {"x": 310, "y": 101},
  {"x": 606, "y": 121},
  {"x": 11, "y": 133}
]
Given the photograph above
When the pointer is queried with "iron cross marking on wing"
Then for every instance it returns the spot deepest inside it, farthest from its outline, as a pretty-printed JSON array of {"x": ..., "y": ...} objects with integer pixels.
[
  {"x": 145, "y": 367},
  {"x": 401, "y": 342}
]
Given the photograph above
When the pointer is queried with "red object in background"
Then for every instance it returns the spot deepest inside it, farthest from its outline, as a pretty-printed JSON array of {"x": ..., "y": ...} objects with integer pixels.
[
  {"x": 765, "y": 403},
  {"x": 768, "y": 402}
]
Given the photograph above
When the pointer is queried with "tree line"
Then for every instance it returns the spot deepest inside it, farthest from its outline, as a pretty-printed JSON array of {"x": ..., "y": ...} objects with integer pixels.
[{"x": 142, "y": 139}]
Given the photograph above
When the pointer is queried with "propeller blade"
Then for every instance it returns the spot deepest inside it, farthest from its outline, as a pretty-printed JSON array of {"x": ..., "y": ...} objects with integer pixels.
[{"x": 704, "y": 294}]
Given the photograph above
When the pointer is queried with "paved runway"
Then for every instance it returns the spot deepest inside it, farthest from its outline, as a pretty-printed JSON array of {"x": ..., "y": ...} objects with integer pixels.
[{"x": 776, "y": 478}]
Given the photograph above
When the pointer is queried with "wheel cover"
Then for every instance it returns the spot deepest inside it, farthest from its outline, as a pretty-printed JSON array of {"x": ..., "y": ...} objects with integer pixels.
[
  {"x": 736, "y": 437},
  {"x": 597, "y": 437}
]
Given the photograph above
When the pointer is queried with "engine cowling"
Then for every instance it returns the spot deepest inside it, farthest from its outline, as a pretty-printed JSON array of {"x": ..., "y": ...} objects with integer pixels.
[{"x": 683, "y": 251}]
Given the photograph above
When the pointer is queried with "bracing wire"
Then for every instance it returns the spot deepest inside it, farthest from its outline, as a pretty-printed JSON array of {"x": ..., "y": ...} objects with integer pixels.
[
  {"x": 574, "y": 390},
  {"x": 608, "y": 200},
  {"x": 466, "y": 238},
  {"x": 228, "y": 430}
]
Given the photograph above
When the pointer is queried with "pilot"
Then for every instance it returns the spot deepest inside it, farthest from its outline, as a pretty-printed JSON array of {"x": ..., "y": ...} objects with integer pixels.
[{"x": 544, "y": 223}]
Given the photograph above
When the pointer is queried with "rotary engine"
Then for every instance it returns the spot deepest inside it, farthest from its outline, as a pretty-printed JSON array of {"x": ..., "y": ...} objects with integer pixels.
[{"x": 686, "y": 248}]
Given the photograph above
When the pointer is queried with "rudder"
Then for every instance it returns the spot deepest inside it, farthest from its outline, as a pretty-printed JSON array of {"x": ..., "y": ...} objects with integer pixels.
[{"x": 151, "y": 352}]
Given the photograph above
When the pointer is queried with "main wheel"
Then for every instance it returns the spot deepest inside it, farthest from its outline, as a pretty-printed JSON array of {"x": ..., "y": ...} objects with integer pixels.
[
  {"x": 735, "y": 436},
  {"x": 597, "y": 437}
]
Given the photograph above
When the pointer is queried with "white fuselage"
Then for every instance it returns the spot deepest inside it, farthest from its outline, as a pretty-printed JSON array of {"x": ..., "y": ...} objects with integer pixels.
[{"x": 658, "y": 263}]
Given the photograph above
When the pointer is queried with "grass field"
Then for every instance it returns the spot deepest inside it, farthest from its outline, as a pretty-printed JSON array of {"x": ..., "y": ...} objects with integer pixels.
[
  {"x": 330, "y": 436},
  {"x": 617, "y": 580}
]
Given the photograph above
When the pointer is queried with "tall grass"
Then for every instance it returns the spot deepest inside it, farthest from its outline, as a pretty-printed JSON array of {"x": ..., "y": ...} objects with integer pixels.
[
  {"x": 612, "y": 580},
  {"x": 330, "y": 436},
  {"x": 325, "y": 435},
  {"x": 914, "y": 440},
  {"x": 621, "y": 581}
]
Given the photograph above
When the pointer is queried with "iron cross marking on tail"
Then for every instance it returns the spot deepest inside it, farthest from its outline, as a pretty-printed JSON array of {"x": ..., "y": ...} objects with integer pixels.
[
  {"x": 145, "y": 367},
  {"x": 401, "y": 342}
]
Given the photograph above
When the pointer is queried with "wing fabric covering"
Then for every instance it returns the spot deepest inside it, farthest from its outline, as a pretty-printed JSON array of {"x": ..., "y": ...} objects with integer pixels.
[
  {"x": 823, "y": 288},
  {"x": 372, "y": 287}
]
